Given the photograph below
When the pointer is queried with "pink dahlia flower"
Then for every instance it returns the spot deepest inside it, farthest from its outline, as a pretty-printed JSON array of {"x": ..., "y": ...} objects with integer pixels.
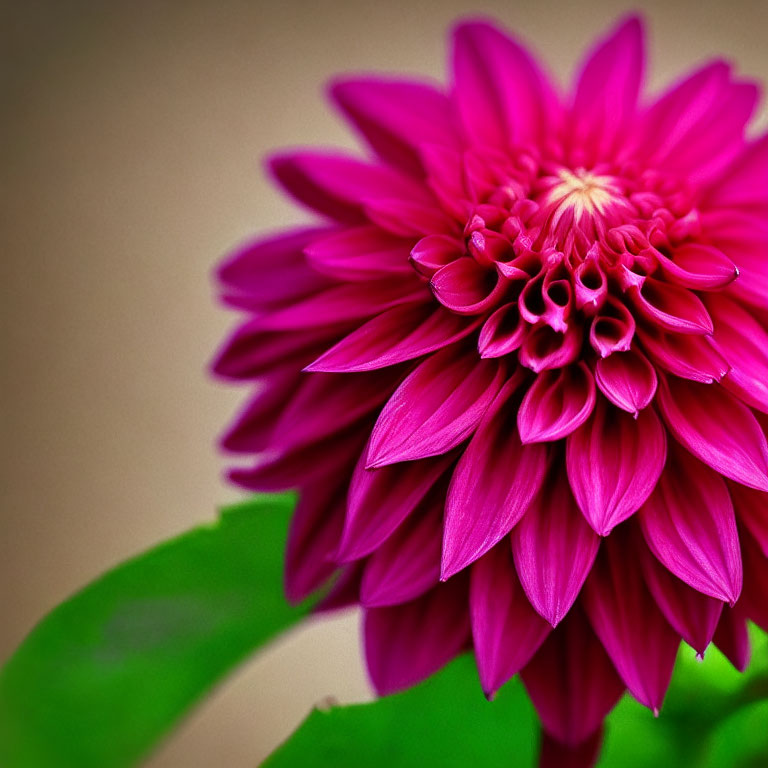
[{"x": 518, "y": 372}]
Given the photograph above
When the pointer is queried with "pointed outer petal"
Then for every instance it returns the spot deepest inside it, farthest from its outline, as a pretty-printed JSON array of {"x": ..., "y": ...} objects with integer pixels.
[
  {"x": 326, "y": 403},
  {"x": 272, "y": 271},
  {"x": 697, "y": 266},
  {"x": 503, "y": 332},
  {"x": 716, "y": 428},
  {"x": 627, "y": 379},
  {"x": 406, "y": 643},
  {"x": 607, "y": 90},
  {"x": 744, "y": 343},
  {"x": 671, "y": 307},
  {"x": 614, "y": 462},
  {"x": 445, "y": 177},
  {"x": 689, "y": 357},
  {"x": 743, "y": 184},
  {"x": 732, "y": 636},
  {"x": 755, "y": 582},
  {"x": 690, "y": 526},
  {"x": 438, "y": 406},
  {"x": 401, "y": 333},
  {"x": 252, "y": 351},
  {"x": 691, "y": 614},
  {"x": 336, "y": 185},
  {"x": 752, "y": 511},
  {"x": 557, "y": 403},
  {"x": 555, "y": 754},
  {"x": 345, "y": 591},
  {"x": 280, "y": 471},
  {"x": 493, "y": 484},
  {"x": 612, "y": 329},
  {"x": 554, "y": 549},
  {"x": 433, "y": 252},
  {"x": 359, "y": 254},
  {"x": 380, "y": 500},
  {"x": 252, "y": 428},
  {"x": 407, "y": 564},
  {"x": 505, "y": 629},
  {"x": 697, "y": 128},
  {"x": 624, "y": 615},
  {"x": 396, "y": 116},
  {"x": 465, "y": 287},
  {"x": 408, "y": 218},
  {"x": 571, "y": 681},
  {"x": 502, "y": 96},
  {"x": 313, "y": 537},
  {"x": 544, "y": 348},
  {"x": 353, "y": 302}
]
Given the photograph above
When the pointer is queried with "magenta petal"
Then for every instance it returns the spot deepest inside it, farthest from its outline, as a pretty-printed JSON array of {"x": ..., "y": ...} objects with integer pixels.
[
  {"x": 671, "y": 307},
  {"x": 571, "y": 681},
  {"x": 397, "y": 116},
  {"x": 742, "y": 185},
  {"x": 492, "y": 486},
  {"x": 614, "y": 462},
  {"x": 501, "y": 94},
  {"x": 555, "y": 754},
  {"x": 627, "y": 379},
  {"x": 406, "y": 643},
  {"x": 693, "y": 615},
  {"x": 465, "y": 287},
  {"x": 402, "y": 333},
  {"x": 690, "y": 526},
  {"x": 554, "y": 550},
  {"x": 407, "y": 564},
  {"x": 503, "y": 332},
  {"x": 557, "y": 403},
  {"x": 437, "y": 407},
  {"x": 505, "y": 629},
  {"x": 607, "y": 90},
  {"x": 716, "y": 428},
  {"x": 701, "y": 267},
  {"x": 732, "y": 636},
  {"x": 752, "y": 511},
  {"x": 624, "y": 616},
  {"x": 359, "y": 254},
  {"x": 379, "y": 501},
  {"x": 753, "y": 599}
]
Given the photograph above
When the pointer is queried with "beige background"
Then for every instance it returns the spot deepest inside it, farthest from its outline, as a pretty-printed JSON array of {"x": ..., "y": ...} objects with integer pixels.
[{"x": 130, "y": 141}]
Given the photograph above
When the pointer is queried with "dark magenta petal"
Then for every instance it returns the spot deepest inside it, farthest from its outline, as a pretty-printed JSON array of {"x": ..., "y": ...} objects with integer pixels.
[
  {"x": 627, "y": 379},
  {"x": 671, "y": 307},
  {"x": 751, "y": 509},
  {"x": 732, "y": 636},
  {"x": 689, "y": 357},
  {"x": 556, "y": 754},
  {"x": 614, "y": 462}
]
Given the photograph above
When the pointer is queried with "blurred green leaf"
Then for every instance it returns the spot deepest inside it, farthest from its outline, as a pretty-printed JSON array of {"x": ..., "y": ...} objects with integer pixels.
[
  {"x": 445, "y": 721},
  {"x": 104, "y": 675}
]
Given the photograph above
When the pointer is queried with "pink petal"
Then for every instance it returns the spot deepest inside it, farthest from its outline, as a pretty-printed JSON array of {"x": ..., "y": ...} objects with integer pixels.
[
  {"x": 742, "y": 341},
  {"x": 607, "y": 92},
  {"x": 697, "y": 266},
  {"x": 402, "y": 333},
  {"x": 571, "y": 681},
  {"x": 505, "y": 629},
  {"x": 755, "y": 582},
  {"x": 716, "y": 428},
  {"x": 624, "y": 615},
  {"x": 544, "y": 349},
  {"x": 438, "y": 406},
  {"x": 693, "y": 615},
  {"x": 503, "y": 332},
  {"x": 359, "y": 254},
  {"x": 407, "y": 564},
  {"x": 627, "y": 379},
  {"x": 557, "y": 403},
  {"x": 492, "y": 486},
  {"x": 554, "y": 550},
  {"x": 612, "y": 329},
  {"x": 742, "y": 185},
  {"x": 690, "y": 357},
  {"x": 335, "y": 185},
  {"x": 406, "y": 643},
  {"x": 406, "y": 217},
  {"x": 434, "y": 252},
  {"x": 379, "y": 501},
  {"x": 732, "y": 637},
  {"x": 614, "y": 462},
  {"x": 671, "y": 307},
  {"x": 396, "y": 117},
  {"x": 344, "y": 592},
  {"x": 555, "y": 754},
  {"x": 465, "y": 287},
  {"x": 690, "y": 526},
  {"x": 502, "y": 96},
  {"x": 752, "y": 511}
]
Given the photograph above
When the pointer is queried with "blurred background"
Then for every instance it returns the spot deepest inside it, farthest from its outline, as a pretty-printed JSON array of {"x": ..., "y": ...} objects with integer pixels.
[{"x": 131, "y": 137}]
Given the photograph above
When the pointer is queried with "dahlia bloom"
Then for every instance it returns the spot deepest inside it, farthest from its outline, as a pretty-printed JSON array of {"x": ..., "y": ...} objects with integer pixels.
[{"x": 518, "y": 372}]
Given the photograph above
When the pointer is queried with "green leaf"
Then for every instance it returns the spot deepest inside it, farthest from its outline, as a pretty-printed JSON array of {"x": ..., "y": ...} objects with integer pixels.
[
  {"x": 444, "y": 721},
  {"x": 103, "y": 676}
]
